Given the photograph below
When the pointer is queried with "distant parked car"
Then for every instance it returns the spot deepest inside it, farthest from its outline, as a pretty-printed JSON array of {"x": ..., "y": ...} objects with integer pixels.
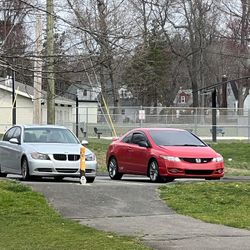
[
  {"x": 163, "y": 154},
  {"x": 46, "y": 151}
]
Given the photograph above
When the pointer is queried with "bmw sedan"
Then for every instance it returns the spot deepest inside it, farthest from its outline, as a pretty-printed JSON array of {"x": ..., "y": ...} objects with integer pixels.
[
  {"x": 163, "y": 154},
  {"x": 45, "y": 151}
]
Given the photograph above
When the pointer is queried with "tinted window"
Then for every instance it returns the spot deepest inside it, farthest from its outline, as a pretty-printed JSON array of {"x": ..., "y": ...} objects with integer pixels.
[
  {"x": 49, "y": 135},
  {"x": 175, "y": 138},
  {"x": 137, "y": 137},
  {"x": 9, "y": 134},
  {"x": 17, "y": 133},
  {"x": 127, "y": 139}
]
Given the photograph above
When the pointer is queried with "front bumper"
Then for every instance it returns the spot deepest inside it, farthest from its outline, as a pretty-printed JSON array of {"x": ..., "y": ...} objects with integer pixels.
[
  {"x": 53, "y": 168},
  {"x": 191, "y": 170}
]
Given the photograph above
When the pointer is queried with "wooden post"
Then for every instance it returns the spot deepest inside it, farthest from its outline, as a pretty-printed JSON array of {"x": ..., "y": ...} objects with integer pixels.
[{"x": 50, "y": 64}]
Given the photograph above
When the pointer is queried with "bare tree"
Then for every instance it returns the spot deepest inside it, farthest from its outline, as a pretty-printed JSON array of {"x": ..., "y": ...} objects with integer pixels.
[
  {"x": 238, "y": 34},
  {"x": 12, "y": 33},
  {"x": 103, "y": 41}
]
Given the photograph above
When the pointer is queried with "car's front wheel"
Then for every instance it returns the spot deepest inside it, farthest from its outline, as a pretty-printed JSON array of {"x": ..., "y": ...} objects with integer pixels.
[
  {"x": 113, "y": 169},
  {"x": 212, "y": 179},
  {"x": 2, "y": 174},
  {"x": 154, "y": 171},
  {"x": 25, "y": 169}
]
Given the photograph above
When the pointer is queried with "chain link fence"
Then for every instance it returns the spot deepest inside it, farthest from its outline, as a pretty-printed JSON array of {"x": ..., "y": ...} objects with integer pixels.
[{"x": 232, "y": 123}]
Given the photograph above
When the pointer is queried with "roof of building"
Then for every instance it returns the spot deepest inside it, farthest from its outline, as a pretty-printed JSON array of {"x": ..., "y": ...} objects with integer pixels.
[{"x": 28, "y": 91}]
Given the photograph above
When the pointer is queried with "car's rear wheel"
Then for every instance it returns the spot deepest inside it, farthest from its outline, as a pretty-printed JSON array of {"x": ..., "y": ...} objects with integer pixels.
[
  {"x": 154, "y": 171},
  {"x": 113, "y": 170},
  {"x": 90, "y": 179},
  {"x": 25, "y": 169}
]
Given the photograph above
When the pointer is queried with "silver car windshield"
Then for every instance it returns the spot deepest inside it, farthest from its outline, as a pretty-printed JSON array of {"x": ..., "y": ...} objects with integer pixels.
[{"x": 49, "y": 135}]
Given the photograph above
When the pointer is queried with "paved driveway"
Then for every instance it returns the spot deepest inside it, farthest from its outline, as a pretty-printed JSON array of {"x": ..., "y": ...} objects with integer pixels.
[{"x": 132, "y": 207}]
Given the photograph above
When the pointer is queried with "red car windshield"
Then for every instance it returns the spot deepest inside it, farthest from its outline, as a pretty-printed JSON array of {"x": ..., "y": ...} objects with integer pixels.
[{"x": 175, "y": 138}]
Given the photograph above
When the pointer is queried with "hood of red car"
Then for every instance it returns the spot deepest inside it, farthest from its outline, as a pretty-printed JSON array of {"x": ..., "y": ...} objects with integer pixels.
[{"x": 189, "y": 151}]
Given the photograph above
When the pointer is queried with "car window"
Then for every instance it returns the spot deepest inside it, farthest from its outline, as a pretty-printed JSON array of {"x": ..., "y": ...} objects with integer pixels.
[
  {"x": 127, "y": 139},
  {"x": 138, "y": 137},
  {"x": 9, "y": 134},
  {"x": 175, "y": 138},
  {"x": 49, "y": 135},
  {"x": 17, "y": 133}
]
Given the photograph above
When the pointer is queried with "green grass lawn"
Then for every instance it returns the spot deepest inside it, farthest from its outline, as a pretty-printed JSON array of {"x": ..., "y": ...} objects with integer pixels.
[
  {"x": 99, "y": 147},
  {"x": 27, "y": 222},
  {"x": 214, "y": 202},
  {"x": 236, "y": 156}
]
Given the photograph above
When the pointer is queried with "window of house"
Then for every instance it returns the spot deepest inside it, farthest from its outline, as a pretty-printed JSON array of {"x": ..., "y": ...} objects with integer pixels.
[{"x": 85, "y": 92}]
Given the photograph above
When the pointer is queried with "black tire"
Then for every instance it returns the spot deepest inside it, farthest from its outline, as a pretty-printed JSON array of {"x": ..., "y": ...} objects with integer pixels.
[
  {"x": 25, "y": 169},
  {"x": 90, "y": 179},
  {"x": 2, "y": 174},
  {"x": 113, "y": 170},
  {"x": 212, "y": 179},
  {"x": 154, "y": 171},
  {"x": 167, "y": 179},
  {"x": 58, "y": 178}
]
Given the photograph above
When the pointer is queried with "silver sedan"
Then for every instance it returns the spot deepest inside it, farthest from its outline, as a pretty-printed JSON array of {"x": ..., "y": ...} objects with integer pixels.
[{"x": 49, "y": 151}]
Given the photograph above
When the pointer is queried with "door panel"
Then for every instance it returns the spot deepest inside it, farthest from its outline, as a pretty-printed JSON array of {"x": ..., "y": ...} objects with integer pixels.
[
  {"x": 138, "y": 158},
  {"x": 11, "y": 157},
  {"x": 122, "y": 156}
]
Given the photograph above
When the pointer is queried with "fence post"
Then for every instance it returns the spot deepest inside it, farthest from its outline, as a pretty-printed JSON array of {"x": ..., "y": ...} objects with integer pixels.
[
  {"x": 87, "y": 119},
  {"x": 195, "y": 120},
  {"x": 77, "y": 118},
  {"x": 214, "y": 113}
]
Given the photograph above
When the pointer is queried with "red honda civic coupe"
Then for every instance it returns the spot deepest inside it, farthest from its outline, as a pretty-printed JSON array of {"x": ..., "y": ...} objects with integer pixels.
[{"x": 163, "y": 154}]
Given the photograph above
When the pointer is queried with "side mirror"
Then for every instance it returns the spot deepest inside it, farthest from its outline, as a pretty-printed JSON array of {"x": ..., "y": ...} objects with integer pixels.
[
  {"x": 14, "y": 141},
  {"x": 84, "y": 142},
  {"x": 143, "y": 144}
]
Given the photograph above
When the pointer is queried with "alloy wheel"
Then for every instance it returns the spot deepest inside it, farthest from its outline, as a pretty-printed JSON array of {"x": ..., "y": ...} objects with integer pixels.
[{"x": 153, "y": 171}]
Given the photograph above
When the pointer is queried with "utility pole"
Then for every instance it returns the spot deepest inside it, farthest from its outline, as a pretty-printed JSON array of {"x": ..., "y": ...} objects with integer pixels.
[
  {"x": 13, "y": 98},
  {"x": 50, "y": 64},
  {"x": 38, "y": 73}
]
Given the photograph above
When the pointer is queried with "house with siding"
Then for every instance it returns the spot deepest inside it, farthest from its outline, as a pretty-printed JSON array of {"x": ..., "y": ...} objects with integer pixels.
[{"x": 24, "y": 106}]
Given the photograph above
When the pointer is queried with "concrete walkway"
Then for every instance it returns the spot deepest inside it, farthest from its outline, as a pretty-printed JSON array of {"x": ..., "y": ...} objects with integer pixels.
[{"x": 132, "y": 207}]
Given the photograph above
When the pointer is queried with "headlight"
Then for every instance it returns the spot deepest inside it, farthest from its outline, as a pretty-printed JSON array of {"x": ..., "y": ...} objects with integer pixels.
[
  {"x": 218, "y": 159},
  {"x": 39, "y": 156},
  {"x": 170, "y": 158},
  {"x": 90, "y": 157}
]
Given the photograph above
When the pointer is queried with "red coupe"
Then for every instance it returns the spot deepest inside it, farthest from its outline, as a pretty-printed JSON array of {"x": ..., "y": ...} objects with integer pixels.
[{"x": 163, "y": 154}]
